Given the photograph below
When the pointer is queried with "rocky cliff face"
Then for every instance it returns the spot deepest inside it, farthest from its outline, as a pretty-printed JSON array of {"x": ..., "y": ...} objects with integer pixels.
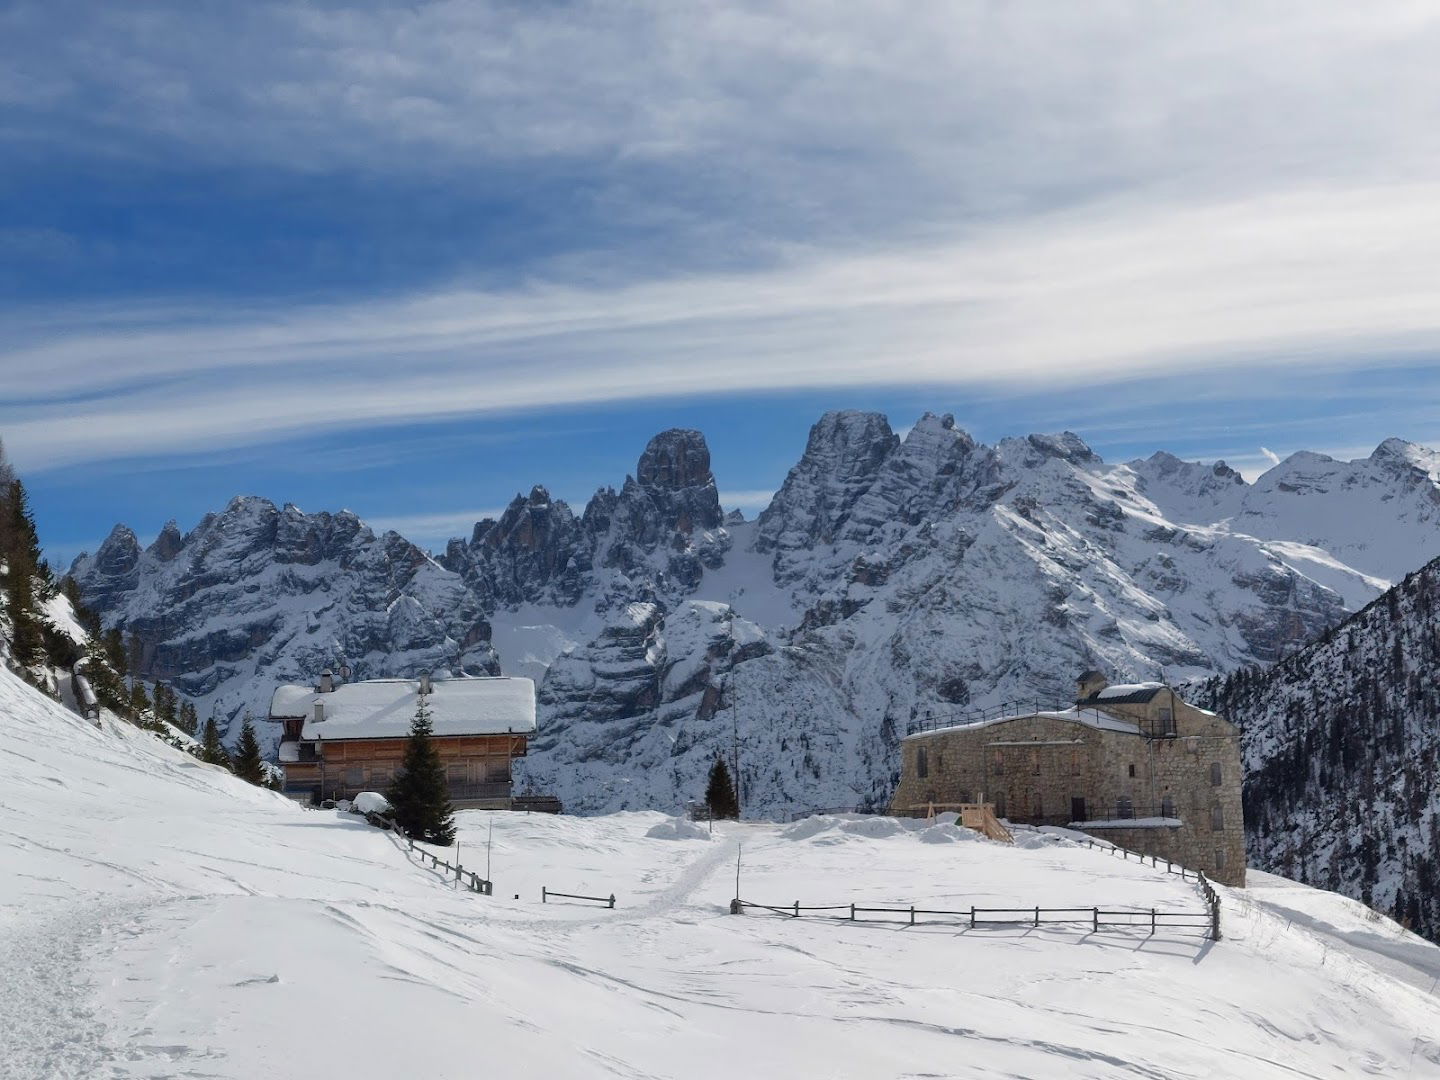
[
  {"x": 933, "y": 574},
  {"x": 257, "y": 595},
  {"x": 889, "y": 579},
  {"x": 1342, "y": 748},
  {"x": 651, "y": 539}
]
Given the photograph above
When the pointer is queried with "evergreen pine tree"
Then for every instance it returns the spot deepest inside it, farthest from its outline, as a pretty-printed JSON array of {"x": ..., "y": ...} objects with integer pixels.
[
  {"x": 164, "y": 702},
  {"x": 211, "y": 749},
  {"x": 187, "y": 721},
  {"x": 247, "y": 764},
  {"x": 720, "y": 792},
  {"x": 420, "y": 794},
  {"x": 140, "y": 704}
]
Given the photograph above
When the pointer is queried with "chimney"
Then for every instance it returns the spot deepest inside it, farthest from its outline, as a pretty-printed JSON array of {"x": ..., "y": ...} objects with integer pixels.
[
  {"x": 1089, "y": 684},
  {"x": 327, "y": 682},
  {"x": 425, "y": 683},
  {"x": 319, "y": 712}
]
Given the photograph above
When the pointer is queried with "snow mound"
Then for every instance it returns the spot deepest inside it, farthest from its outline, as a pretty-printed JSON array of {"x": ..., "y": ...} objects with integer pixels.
[
  {"x": 678, "y": 829},
  {"x": 810, "y": 826},
  {"x": 948, "y": 833},
  {"x": 371, "y": 802},
  {"x": 875, "y": 827}
]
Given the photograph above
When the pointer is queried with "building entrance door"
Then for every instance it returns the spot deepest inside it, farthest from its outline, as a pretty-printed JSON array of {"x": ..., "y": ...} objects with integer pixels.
[{"x": 1077, "y": 810}]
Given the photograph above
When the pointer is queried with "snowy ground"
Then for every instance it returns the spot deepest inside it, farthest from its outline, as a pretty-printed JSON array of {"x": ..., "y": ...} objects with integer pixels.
[{"x": 158, "y": 918}]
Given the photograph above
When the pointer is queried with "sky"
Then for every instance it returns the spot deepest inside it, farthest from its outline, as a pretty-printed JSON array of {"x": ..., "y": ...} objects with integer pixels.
[{"x": 412, "y": 259}]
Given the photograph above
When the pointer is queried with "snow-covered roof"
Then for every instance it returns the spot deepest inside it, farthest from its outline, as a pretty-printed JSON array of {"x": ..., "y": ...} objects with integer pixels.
[
  {"x": 384, "y": 708},
  {"x": 1089, "y": 717}
]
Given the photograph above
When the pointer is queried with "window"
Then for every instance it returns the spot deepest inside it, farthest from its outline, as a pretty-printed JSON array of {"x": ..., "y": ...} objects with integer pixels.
[
  {"x": 1219, "y": 858},
  {"x": 1037, "y": 805},
  {"x": 1125, "y": 808},
  {"x": 1035, "y": 762},
  {"x": 1167, "y": 721},
  {"x": 1000, "y": 804},
  {"x": 997, "y": 763},
  {"x": 939, "y": 762},
  {"x": 1215, "y": 774},
  {"x": 922, "y": 762},
  {"x": 354, "y": 776},
  {"x": 1074, "y": 762},
  {"x": 456, "y": 772},
  {"x": 1167, "y": 806},
  {"x": 381, "y": 775},
  {"x": 1217, "y": 818}
]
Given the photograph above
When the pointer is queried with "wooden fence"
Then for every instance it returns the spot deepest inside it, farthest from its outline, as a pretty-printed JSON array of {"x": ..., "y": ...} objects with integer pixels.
[
  {"x": 471, "y": 880},
  {"x": 1093, "y": 916},
  {"x": 545, "y": 894}
]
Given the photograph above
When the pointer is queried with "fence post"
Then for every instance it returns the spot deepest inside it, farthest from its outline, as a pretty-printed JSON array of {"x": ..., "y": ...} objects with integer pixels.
[
  {"x": 972, "y": 916},
  {"x": 1037, "y": 914},
  {"x": 797, "y": 909},
  {"x": 852, "y": 912},
  {"x": 912, "y": 914},
  {"x": 1097, "y": 920},
  {"x": 1152, "y": 922},
  {"x": 543, "y": 894},
  {"x": 612, "y": 901}
]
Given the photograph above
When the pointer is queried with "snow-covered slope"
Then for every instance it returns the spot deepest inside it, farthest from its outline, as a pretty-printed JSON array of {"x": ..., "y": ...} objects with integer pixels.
[
  {"x": 889, "y": 578},
  {"x": 1342, "y": 746},
  {"x": 159, "y": 918}
]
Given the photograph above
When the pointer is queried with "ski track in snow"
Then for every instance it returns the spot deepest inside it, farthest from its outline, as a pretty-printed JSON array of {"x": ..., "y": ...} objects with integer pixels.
[{"x": 49, "y": 1027}]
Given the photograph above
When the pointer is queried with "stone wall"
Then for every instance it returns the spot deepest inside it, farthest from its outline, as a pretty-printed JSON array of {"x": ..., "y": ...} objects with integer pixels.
[{"x": 1052, "y": 769}]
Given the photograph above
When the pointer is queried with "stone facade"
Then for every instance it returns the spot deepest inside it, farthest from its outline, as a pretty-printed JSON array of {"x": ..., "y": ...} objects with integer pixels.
[{"x": 1135, "y": 765}]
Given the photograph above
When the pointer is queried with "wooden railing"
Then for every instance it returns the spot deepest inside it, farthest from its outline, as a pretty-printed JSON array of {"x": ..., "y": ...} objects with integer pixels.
[
  {"x": 1093, "y": 916},
  {"x": 545, "y": 894},
  {"x": 471, "y": 880}
]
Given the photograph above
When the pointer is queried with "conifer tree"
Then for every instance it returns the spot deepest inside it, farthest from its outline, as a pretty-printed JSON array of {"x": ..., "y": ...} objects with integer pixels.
[
  {"x": 164, "y": 703},
  {"x": 187, "y": 721},
  {"x": 211, "y": 749},
  {"x": 139, "y": 702},
  {"x": 420, "y": 794},
  {"x": 720, "y": 792},
  {"x": 247, "y": 764}
]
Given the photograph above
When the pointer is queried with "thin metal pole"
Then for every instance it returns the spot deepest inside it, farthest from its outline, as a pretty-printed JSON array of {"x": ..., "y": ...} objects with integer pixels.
[{"x": 488, "y": 839}]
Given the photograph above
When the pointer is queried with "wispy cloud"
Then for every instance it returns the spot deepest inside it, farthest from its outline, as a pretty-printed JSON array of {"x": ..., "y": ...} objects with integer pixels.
[
  {"x": 1122, "y": 291},
  {"x": 432, "y": 526},
  {"x": 746, "y": 500}
]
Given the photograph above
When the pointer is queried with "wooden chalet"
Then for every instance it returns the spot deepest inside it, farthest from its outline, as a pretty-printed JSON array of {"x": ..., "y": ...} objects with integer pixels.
[{"x": 339, "y": 739}]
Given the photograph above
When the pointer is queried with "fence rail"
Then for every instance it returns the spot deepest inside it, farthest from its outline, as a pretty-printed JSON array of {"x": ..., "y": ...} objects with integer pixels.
[
  {"x": 1093, "y": 916},
  {"x": 960, "y": 718},
  {"x": 471, "y": 880},
  {"x": 1207, "y": 891},
  {"x": 545, "y": 894}
]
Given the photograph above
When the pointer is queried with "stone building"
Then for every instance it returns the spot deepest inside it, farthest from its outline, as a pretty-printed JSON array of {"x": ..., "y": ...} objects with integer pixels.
[{"x": 1135, "y": 764}]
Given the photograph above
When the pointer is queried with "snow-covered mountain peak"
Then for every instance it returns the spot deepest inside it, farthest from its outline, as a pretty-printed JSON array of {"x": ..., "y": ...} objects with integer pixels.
[{"x": 1398, "y": 453}]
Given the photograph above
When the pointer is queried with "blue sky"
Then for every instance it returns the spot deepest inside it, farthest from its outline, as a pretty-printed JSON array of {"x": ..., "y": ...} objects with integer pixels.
[{"x": 410, "y": 259}]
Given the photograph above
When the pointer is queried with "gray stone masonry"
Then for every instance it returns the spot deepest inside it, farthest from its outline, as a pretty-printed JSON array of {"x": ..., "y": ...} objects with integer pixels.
[{"x": 1169, "y": 789}]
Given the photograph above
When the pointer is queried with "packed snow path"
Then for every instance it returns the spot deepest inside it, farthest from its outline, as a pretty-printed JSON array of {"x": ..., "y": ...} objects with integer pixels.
[{"x": 160, "y": 919}]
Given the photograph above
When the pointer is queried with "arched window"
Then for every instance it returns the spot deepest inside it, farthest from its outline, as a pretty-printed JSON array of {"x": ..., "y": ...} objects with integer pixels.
[
  {"x": 1219, "y": 858},
  {"x": 997, "y": 763},
  {"x": 922, "y": 762},
  {"x": 1216, "y": 775},
  {"x": 1075, "y": 762},
  {"x": 1217, "y": 817}
]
